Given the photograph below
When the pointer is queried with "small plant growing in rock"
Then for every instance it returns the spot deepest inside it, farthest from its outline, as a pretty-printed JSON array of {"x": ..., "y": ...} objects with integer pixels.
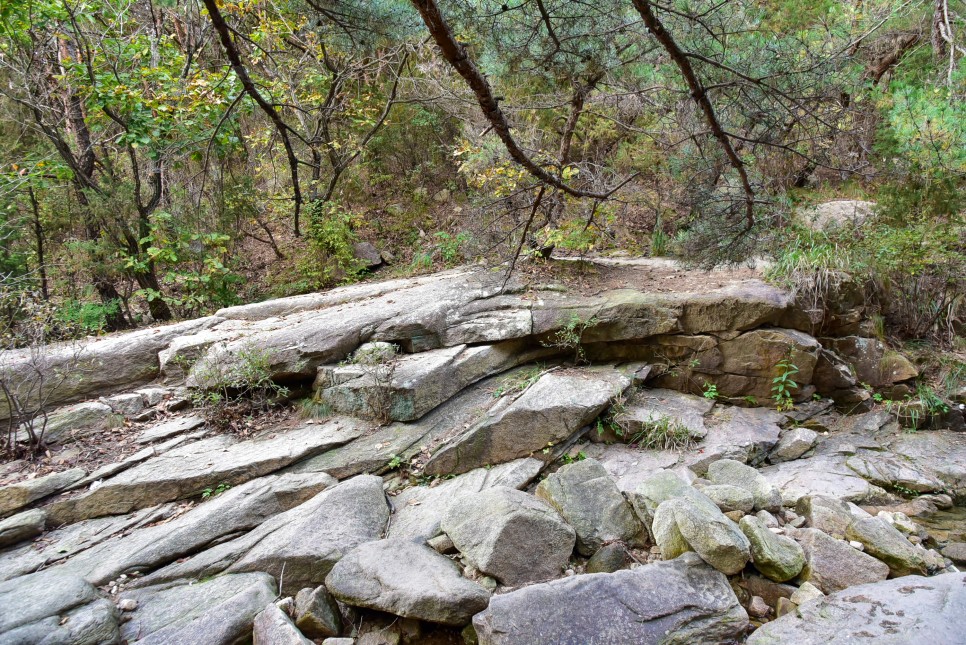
[
  {"x": 664, "y": 434},
  {"x": 570, "y": 337},
  {"x": 519, "y": 381},
  {"x": 711, "y": 391},
  {"x": 378, "y": 362},
  {"x": 214, "y": 492},
  {"x": 783, "y": 385}
]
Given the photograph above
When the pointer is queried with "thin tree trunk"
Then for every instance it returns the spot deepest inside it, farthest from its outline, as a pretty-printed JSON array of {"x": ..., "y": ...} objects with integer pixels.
[{"x": 39, "y": 237}]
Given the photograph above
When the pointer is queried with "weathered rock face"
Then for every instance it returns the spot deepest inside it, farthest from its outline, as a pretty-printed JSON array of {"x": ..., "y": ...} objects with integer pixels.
[
  {"x": 187, "y": 470},
  {"x": 885, "y": 542},
  {"x": 219, "y": 611},
  {"x": 510, "y": 535},
  {"x": 22, "y": 526},
  {"x": 793, "y": 443},
  {"x": 307, "y": 540},
  {"x": 686, "y": 524},
  {"x": 273, "y": 627},
  {"x": 406, "y": 579},
  {"x": 53, "y": 608},
  {"x": 734, "y": 473},
  {"x": 16, "y": 496},
  {"x": 584, "y": 494},
  {"x": 904, "y": 610},
  {"x": 836, "y": 214},
  {"x": 833, "y": 565},
  {"x": 680, "y": 601},
  {"x": 316, "y": 613},
  {"x": 548, "y": 412}
]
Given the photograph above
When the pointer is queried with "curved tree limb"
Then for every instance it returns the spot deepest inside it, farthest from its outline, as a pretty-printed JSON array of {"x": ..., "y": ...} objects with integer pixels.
[
  {"x": 699, "y": 94},
  {"x": 234, "y": 57}
]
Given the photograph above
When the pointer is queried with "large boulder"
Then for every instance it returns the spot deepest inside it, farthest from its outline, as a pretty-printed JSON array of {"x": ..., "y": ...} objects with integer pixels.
[
  {"x": 22, "y": 526},
  {"x": 54, "y": 608},
  {"x": 735, "y": 473},
  {"x": 833, "y": 565},
  {"x": 235, "y": 511},
  {"x": 827, "y": 514},
  {"x": 776, "y": 556},
  {"x": 679, "y": 602},
  {"x": 219, "y": 611},
  {"x": 406, "y": 579},
  {"x": 893, "y": 612},
  {"x": 305, "y": 541},
  {"x": 510, "y": 535},
  {"x": 883, "y": 541},
  {"x": 552, "y": 410},
  {"x": 588, "y": 499},
  {"x": 792, "y": 444},
  {"x": 705, "y": 530}
]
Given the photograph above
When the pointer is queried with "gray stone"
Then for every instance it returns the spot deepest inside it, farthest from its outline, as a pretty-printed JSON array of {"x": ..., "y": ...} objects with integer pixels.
[
  {"x": 735, "y": 473},
  {"x": 833, "y": 565},
  {"x": 306, "y": 541},
  {"x": 510, "y": 535},
  {"x": 128, "y": 405},
  {"x": 792, "y": 444},
  {"x": 891, "y": 471},
  {"x": 827, "y": 514},
  {"x": 237, "y": 510},
  {"x": 552, "y": 410},
  {"x": 955, "y": 552},
  {"x": 73, "y": 422},
  {"x": 758, "y": 607},
  {"x": 15, "y": 496},
  {"x": 885, "y": 542},
  {"x": 219, "y": 611},
  {"x": 610, "y": 558},
  {"x": 741, "y": 434},
  {"x": 170, "y": 428},
  {"x": 272, "y": 627},
  {"x": 49, "y": 607},
  {"x": 417, "y": 511},
  {"x": 648, "y": 406},
  {"x": 370, "y": 453},
  {"x": 677, "y": 602},
  {"x": 766, "y": 518},
  {"x": 776, "y": 556},
  {"x": 187, "y": 470},
  {"x": 339, "y": 641},
  {"x": 367, "y": 255},
  {"x": 820, "y": 475},
  {"x": 316, "y": 613},
  {"x": 22, "y": 526},
  {"x": 893, "y": 612},
  {"x": 656, "y": 488},
  {"x": 406, "y": 579},
  {"x": 730, "y": 498},
  {"x": 584, "y": 494},
  {"x": 419, "y": 382},
  {"x": 705, "y": 530},
  {"x": 837, "y": 214}
]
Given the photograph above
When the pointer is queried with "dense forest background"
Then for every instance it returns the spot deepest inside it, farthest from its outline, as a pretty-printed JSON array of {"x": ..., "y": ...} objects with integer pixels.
[{"x": 160, "y": 159}]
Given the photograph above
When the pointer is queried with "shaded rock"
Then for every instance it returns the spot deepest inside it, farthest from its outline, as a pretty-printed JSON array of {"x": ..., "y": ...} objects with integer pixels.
[
  {"x": 72, "y": 422},
  {"x": 128, "y": 405},
  {"x": 237, "y": 510},
  {"x": 749, "y": 362},
  {"x": 742, "y": 434},
  {"x": 935, "y": 456},
  {"x": 48, "y": 607},
  {"x": 215, "y": 612},
  {"x": 584, "y": 494},
  {"x": 833, "y": 565},
  {"x": 677, "y": 602},
  {"x": 552, "y": 410},
  {"x": 316, "y": 613},
  {"x": 510, "y": 535},
  {"x": 758, "y": 585},
  {"x": 891, "y": 471},
  {"x": 904, "y": 610},
  {"x": 758, "y": 607},
  {"x": 705, "y": 530},
  {"x": 307, "y": 540},
  {"x": 832, "y": 374},
  {"x": 837, "y": 214},
  {"x": 647, "y": 406},
  {"x": 186, "y": 470},
  {"x": 827, "y": 514},
  {"x": 367, "y": 255},
  {"x": 734, "y": 473},
  {"x": 793, "y": 444},
  {"x": 22, "y": 526},
  {"x": 16, "y": 496},
  {"x": 610, "y": 558},
  {"x": 730, "y": 498},
  {"x": 955, "y": 552},
  {"x": 885, "y": 542},
  {"x": 406, "y": 579},
  {"x": 776, "y": 556},
  {"x": 272, "y": 627},
  {"x": 417, "y": 511}
]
